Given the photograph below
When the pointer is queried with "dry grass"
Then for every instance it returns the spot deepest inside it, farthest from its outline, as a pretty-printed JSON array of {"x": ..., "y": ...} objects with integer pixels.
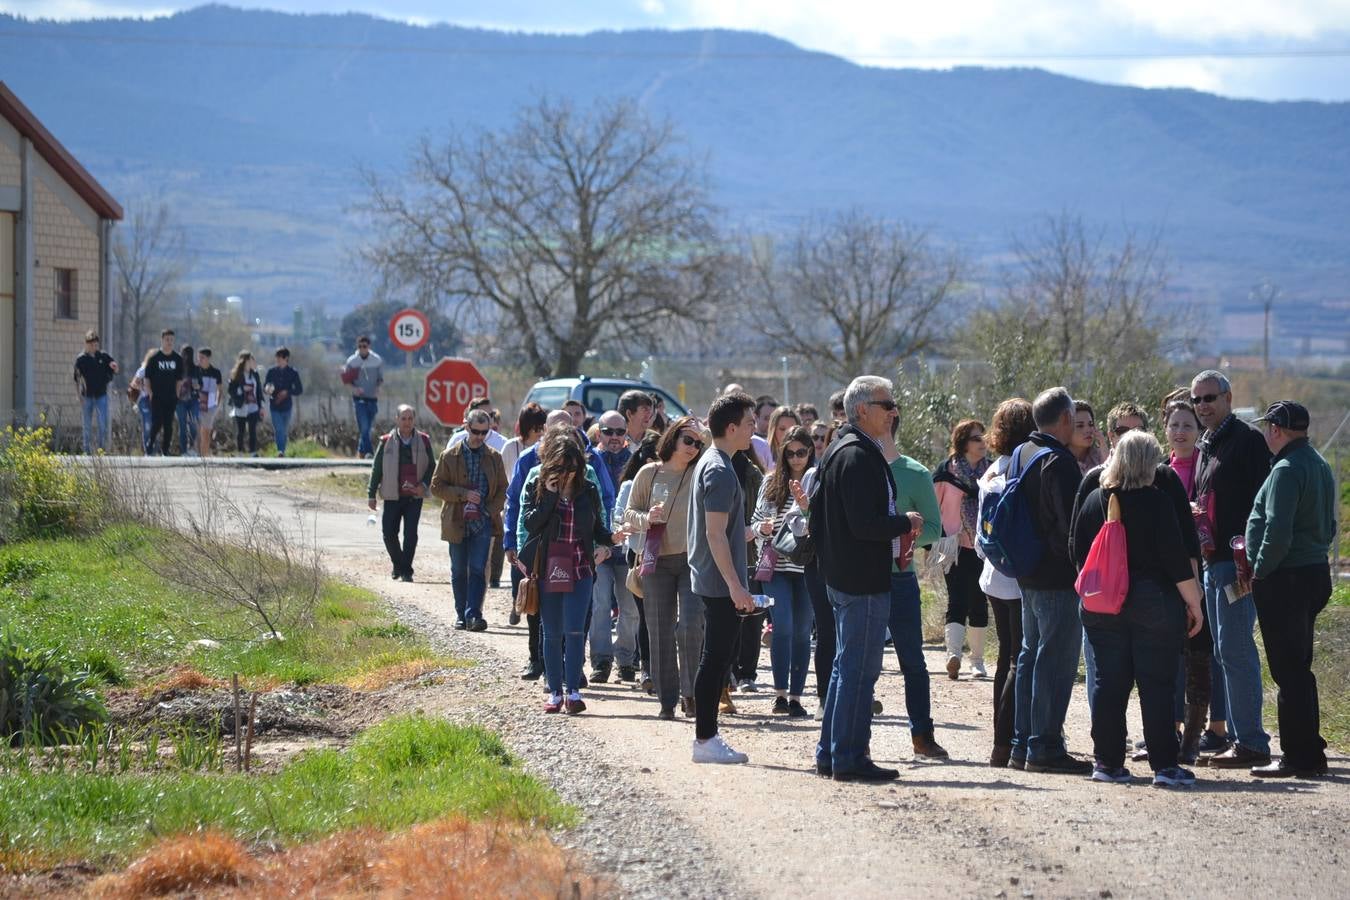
[
  {"x": 183, "y": 678},
  {"x": 451, "y": 858},
  {"x": 393, "y": 674}
]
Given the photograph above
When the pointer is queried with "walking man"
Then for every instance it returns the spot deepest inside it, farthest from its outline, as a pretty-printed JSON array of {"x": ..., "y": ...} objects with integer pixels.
[
  {"x": 1234, "y": 462},
  {"x": 637, "y": 409},
  {"x": 364, "y": 371},
  {"x": 717, "y": 537},
  {"x": 401, "y": 477},
  {"x": 610, "y": 576},
  {"x": 281, "y": 387},
  {"x": 1289, "y": 535},
  {"x": 94, "y": 369},
  {"x": 857, "y": 527},
  {"x": 163, "y": 370},
  {"x": 1052, "y": 634},
  {"x": 470, "y": 481}
]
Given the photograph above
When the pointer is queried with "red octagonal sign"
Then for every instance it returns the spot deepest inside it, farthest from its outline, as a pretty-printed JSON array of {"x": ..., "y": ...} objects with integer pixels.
[{"x": 452, "y": 384}]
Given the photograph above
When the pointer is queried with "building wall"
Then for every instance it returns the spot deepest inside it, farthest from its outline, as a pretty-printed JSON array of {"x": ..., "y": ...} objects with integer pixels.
[
  {"x": 9, "y": 155},
  {"x": 65, "y": 237}
]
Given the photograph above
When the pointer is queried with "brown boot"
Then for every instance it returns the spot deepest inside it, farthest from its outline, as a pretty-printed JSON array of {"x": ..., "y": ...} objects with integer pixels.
[
  {"x": 999, "y": 758},
  {"x": 727, "y": 707},
  {"x": 927, "y": 748}
]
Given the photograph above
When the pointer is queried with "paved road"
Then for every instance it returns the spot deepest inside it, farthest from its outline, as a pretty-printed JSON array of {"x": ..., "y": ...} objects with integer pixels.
[{"x": 957, "y": 828}]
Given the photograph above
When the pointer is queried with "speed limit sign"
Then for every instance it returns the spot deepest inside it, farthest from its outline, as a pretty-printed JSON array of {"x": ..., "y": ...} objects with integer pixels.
[{"x": 410, "y": 329}]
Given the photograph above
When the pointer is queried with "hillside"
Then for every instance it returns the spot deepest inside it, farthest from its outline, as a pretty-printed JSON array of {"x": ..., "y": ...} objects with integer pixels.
[{"x": 252, "y": 125}]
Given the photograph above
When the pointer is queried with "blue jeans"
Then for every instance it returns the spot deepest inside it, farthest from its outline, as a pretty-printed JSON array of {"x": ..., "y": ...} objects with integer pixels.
[
  {"x": 860, "y": 630},
  {"x": 563, "y": 617},
  {"x": 790, "y": 652},
  {"x": 366, "y": 410},
  {"x": 1046, "y": 670},
  {"x": 281, "y": 425},
  {"x": 147, "y": 425},
  {"x": 907, "y": 635},
  {"x": 187, "y": 424},
  {"x": 610, "y": 586},
  {"x": 468, "y": 573},
  {"x": 95, "y": 406},
  {"x": 1235, "y": 656}
]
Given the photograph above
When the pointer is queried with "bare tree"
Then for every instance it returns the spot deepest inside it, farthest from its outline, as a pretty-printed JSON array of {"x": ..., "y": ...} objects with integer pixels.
[
  {"x": 569, "y": 228},
  {"x": 152, "y": 260},
  {"x": 853, "y": 294}
]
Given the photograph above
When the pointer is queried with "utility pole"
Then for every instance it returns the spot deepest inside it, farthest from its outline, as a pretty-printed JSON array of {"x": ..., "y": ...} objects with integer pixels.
[{"x": 1266, "y": 293}]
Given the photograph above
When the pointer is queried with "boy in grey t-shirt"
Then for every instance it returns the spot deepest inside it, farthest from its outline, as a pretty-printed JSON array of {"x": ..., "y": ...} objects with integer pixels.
[{"x": 717, "y": 542}]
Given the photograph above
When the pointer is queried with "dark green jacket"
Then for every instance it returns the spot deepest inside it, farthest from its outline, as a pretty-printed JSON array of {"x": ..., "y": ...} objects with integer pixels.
[{"x": 1293, "y": 520}]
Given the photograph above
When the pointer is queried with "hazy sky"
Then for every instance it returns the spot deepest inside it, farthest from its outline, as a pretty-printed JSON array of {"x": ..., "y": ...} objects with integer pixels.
[{"x": 1268, "y": 49}]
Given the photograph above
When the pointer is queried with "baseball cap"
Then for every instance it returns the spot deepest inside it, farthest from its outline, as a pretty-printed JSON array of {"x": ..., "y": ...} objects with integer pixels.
[{"x": 1287, "y": 414}]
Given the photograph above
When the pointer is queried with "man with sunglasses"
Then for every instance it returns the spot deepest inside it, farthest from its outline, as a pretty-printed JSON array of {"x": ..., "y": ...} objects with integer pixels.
[
  {"x": 1123, "y": 418},
  {"x": 1234, "y": 462},
  {"x": 364, "y": 372},
  {"x": 470, "y": 480},
  {"x": 610, "y": 576},
  {"x": 856, "y": 520}
]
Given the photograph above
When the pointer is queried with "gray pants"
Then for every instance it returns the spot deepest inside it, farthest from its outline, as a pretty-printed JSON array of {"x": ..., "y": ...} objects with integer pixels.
[
  {"x": 675, "y": 627},
  {"x": 609, "y": 585}
]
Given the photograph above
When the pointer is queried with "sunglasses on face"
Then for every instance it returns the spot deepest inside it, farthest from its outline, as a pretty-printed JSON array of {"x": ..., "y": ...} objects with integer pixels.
[
  {"x": 1125, "y": 429},
  {"x": 476, "y": 432},
  {"x": 1204, "y": 398},
  {"x": 613, "y": 432},
  {"x": 691, "y": 442},
  {"x": 888, "y": 405},
  {"x": 818, "y": 438},
  {"x": 797, "y": 454}
]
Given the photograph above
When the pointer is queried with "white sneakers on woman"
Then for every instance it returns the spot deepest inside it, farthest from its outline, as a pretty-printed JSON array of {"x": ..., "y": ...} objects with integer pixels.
[{"x": 716, "y": 750}]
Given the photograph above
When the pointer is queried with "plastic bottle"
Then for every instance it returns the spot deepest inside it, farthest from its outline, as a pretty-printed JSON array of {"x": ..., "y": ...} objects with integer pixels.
[
  {"x": 370, "y": 519},
  {"x": 762, "y": 601}
]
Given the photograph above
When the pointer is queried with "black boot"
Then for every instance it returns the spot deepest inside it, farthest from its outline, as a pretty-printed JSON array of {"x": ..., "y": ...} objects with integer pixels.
[{"x": 1197, "y": 705}]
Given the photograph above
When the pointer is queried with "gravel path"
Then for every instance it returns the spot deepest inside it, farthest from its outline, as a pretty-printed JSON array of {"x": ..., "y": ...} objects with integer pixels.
[{"x": 664, "y": 827}]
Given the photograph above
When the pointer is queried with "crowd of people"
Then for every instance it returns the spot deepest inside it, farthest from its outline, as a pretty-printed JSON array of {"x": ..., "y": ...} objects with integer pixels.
[{"x": 670, "y": 547}]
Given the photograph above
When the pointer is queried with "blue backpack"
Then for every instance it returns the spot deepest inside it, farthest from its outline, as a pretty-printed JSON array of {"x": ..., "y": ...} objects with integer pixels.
[{"x": 1007, "y": 533}]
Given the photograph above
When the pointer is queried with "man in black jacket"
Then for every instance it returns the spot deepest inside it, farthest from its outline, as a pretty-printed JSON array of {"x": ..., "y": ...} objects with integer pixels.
[
  {"x": 1234, "y": 463},
  {"x": 1051, "y": 632},
  {"x": 856, "y": 529},
  {"x": 163, "y": 371}
]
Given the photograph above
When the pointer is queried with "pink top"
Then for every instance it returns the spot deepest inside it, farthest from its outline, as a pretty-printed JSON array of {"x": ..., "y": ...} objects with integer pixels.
[
  {"x": 949, "y": 502},
  {"x": 1185, "y": 469}
]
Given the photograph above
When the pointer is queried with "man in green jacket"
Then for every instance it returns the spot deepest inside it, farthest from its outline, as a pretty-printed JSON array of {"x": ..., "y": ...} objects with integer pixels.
[{"x": 1289, "y": 533}]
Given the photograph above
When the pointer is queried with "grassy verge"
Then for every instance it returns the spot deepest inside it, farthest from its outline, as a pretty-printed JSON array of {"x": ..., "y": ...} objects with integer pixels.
[
  {"x": 95, "y": 599},
  {"x": 406, "y": 770},
  {"x": 1331, "y": 664}
]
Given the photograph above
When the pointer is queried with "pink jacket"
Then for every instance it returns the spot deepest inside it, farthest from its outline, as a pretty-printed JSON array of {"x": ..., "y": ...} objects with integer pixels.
[{"x": 949, "y": 501}]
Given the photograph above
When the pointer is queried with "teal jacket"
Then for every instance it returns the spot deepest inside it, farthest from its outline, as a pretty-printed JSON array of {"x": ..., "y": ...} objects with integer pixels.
[
  {"x": 522, "y": 534},
  {"x": 1293, "y": 520},
  {"x": 914, "y": 493}
]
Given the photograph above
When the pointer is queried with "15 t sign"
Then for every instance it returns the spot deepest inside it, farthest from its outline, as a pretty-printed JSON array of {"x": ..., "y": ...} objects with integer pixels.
[
  {"x": 410, "y": 329},
  {"x": 452, "y": 384}
]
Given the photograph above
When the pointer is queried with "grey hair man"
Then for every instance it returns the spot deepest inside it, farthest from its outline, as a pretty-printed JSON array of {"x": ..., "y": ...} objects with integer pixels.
[
  {"x": 610, "y": 589},
  {"x": 400, "y": 476},
  {"x": 1052, "y": 636},
  {"x": 1233, "y": 464}
]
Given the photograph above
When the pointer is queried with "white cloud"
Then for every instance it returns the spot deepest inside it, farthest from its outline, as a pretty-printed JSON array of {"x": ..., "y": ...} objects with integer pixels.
[{"x": 1201, "y": 75}]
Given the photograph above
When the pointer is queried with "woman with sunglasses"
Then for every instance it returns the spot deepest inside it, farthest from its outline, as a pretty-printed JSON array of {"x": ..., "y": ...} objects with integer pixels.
[
  {"x": 790, "y": 651},
  {"x": 564, "y": 520},
  {"x": 957, "y": 484},
  {"x": 781, "y": 421},
  {"x": 658, "y": 509}
]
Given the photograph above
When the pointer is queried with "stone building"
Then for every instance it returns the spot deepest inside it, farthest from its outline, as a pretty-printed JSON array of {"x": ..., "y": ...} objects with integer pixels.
[{"x": 56, "y": 272}]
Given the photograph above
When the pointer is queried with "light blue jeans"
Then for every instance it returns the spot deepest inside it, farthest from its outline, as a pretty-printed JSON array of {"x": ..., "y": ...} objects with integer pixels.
[
  {"x": 281, "y": 425},
  {"x": 1047, "y": 667},
  {"x": 366, "y": 411},
  {"x": 860, "y": 629},
  {"x": 790, "y": 651},
  {"x": 1235, "y": 655},
  {"x": 563, "y": 617},
  {"x": 91, "y": 407},
  {"x": 609, "y": 585}
]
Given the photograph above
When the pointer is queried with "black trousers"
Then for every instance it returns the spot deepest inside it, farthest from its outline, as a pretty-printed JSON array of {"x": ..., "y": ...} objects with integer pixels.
[
  {"x": 966, "y": 603},
  {"x": 161, "y": 422},
  {"x": 250, "y": 422},
  {"x": 826, "y": 639},
  {"x": 722, "y": 628},
  {"x": 1140, "y": 646},
  {"x": 1287, "y": 604},
  {"x": 746, "y": 663},
  {"x": 405, "y": 511},
  {"x": 1008, "y": 624}
]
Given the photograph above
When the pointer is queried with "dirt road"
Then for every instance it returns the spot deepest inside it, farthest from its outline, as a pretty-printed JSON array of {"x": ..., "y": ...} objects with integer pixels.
[{"x": 956, "y": 828}]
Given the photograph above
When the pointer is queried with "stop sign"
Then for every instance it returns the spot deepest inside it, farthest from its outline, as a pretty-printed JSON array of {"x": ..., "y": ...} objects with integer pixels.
[{"x": 452, "y": 384}]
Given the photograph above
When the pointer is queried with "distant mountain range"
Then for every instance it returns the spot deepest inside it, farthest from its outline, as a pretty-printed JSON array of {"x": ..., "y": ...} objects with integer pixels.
[{"x": 252, "y": 125}]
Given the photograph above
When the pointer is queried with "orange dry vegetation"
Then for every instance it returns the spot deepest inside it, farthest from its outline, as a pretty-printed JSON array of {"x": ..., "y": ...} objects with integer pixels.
[
  {"x": 183, "y": 678},
  {"x": 393, "y": 674},
  {"x": 451, "y": 858}
]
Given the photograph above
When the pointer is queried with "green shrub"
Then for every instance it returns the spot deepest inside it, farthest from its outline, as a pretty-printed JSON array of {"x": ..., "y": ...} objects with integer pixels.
[
  {"x": 43, "y": 698},
  {"x": 42, "y": 495},
  {"x": 103, "y": 665}
]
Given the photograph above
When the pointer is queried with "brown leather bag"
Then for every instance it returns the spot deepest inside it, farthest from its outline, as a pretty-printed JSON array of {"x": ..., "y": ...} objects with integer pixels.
[{"x": 527, "y": 592}]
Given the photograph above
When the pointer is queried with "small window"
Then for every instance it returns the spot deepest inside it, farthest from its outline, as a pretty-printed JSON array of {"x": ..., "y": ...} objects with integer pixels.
[{"x": 65, "y": 294}]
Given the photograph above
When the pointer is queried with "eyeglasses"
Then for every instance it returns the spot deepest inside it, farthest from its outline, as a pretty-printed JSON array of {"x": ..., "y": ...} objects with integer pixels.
[
  {"x": 818, "y": 438},
  {"x": 1206, "y": 398},
  {"x": 613, "y": 432},
  {"x": 888, "y": 405},
  {"x": 1126, "y": 429},
  {"x": 477, "y": 433},
  {"x": 797, "y": 454},
  {"x": 691, "y": 442}
]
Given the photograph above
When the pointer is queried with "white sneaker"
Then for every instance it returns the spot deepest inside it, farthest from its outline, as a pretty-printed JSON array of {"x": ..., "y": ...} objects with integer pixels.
[
  {"x": 977, "y": 666},
  {"x": 715, "y": 750},
  {"x": 820, "y": 713}
]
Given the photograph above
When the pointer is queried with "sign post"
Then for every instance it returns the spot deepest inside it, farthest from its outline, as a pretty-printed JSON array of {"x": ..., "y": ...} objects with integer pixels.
[{"x": 451, "y": 385}]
